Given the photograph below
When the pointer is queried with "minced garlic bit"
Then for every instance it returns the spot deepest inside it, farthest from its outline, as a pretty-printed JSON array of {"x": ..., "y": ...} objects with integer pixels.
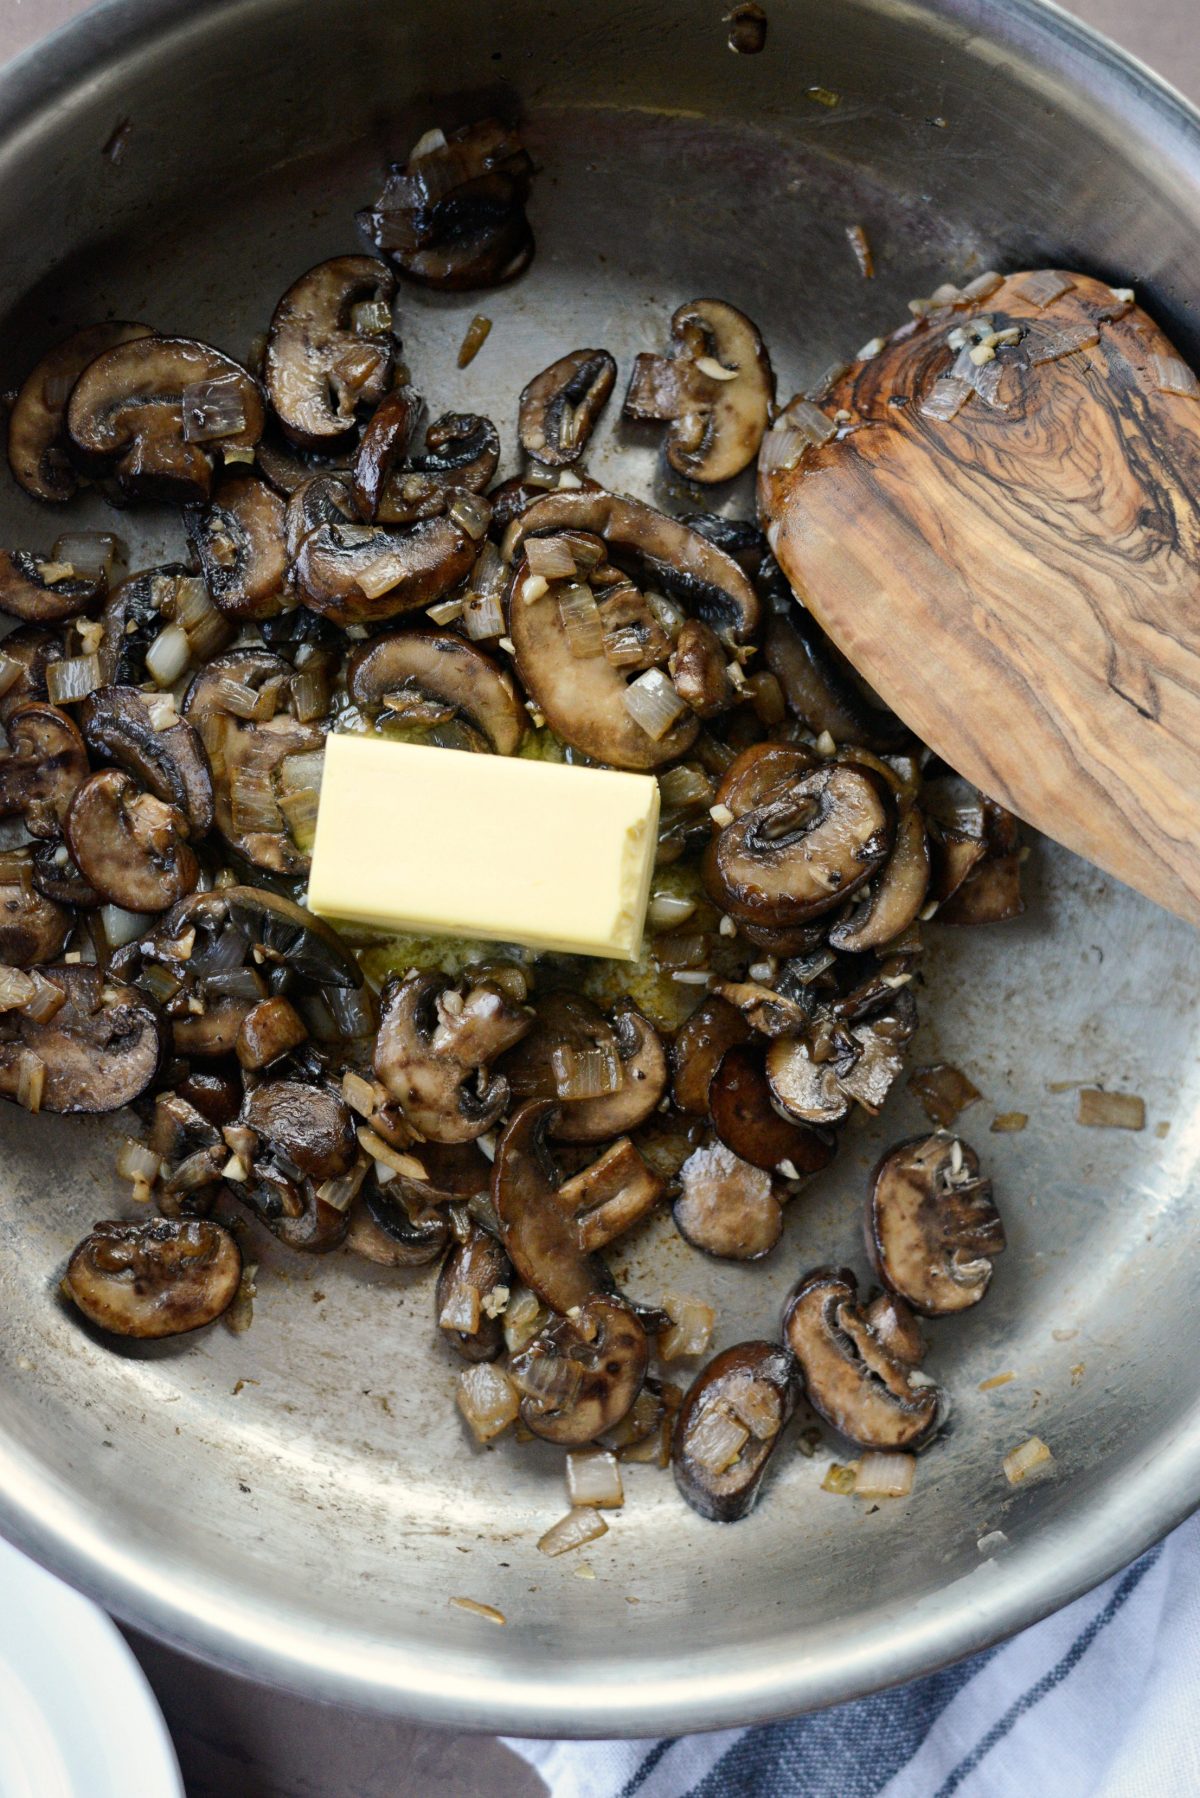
[
  {"x": 486, "y": 1611},
  {"x": 840, "y": 1480},
  {"x": 997, "y": 1379},
  {"x": 1029, "y": 1457},
  {"x": 720, "y": 814}
]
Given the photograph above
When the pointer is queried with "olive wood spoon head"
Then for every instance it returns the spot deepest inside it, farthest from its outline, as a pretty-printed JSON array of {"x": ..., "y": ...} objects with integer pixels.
[{"x": 1015, "y": 565}]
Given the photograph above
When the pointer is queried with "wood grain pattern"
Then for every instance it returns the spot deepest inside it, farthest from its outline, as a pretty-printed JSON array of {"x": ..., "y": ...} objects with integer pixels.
[{"x": 1021, "y": 582}]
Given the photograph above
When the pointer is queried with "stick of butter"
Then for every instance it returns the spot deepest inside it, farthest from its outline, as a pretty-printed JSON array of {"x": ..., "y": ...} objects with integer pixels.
[{"x": 441, "y": 842}]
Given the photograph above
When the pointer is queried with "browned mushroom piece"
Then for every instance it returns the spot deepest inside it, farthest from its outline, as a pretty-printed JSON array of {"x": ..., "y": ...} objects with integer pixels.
[
  {"x": 989, "y": 889},
  {"x": 848, "y": 1053},
  {"x": 805, "y": 848},
  {"x": 581, "y": 1374},
  {"x": 699, "y": 670},
  {"x": 304, "y": 1138},
  {"x": 820, "y": 687},
  {"x": 322, "y": 499},
  {"x": 746, "y": 1121},
  {"x": 767, "y": 1012},
  {"x": 43, "y": 768},
  {"x": 364, "y": 574},
  {"x": 932, "y": 1227},
  {"x": 452, "y": 680},
  {"x": 805, "y": 1088},
  {"x": 436, "y": 1043},
  {"x": 390, "y": 1229},
  {"x": 288, "y": 468},
  {"x": 158, "y": 412},
  {"x": 217, "y": 1096},
  {"x": 726, "y": 1206},
  {"x": 851, "y": 1379},
  {"x": 171, "y": 763},
  {"x": 100, "y": 1050},
  {"x": 715, "y": 391},
  {"x": 192, "y": 1154},
  {"x": 271, "y": 1028},
  {"x": 760, "y": 771},
  {"x": 238, "y": 540},
  {"x": 37, "y": 451},
  {"x": 41, "y": 590},
  {"x": 57, "y": 878},
  {"x": 560, "y": 407},
  {"x": 700, "y": 1042},
  {"x": 472, "y": 1288},
  {"x": 330, "y": 348},
  {"x": 32, "y": 650},
  {"x": 391, "y": 486},
  {"x": 136, "y": 611},
  {"x": 33, "y": 927},
  {"x": 895, "y": 896},
  {"x": 453, "y": 216},
  {"x": 607, "y": 1075},
  {"x": 891, "y": 1321},
  {"x": 265, "y": 762},
  {"x": 729, "y": 1425},
  {"x": 513, "y": 498},
  {"x": 128, "y": 845},
  {"x": 160, "y": 1278}
]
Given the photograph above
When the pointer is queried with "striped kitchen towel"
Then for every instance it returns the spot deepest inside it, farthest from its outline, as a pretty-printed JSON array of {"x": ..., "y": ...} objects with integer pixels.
[{"x": 1099, "y": 1701}]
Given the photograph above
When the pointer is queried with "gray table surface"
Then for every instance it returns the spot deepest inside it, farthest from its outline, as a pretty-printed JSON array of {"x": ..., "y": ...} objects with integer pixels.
[{"x": 238, "y": 1740}]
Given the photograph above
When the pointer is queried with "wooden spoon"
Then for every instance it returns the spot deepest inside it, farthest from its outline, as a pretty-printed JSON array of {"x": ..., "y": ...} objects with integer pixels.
[{"x": 1015, "y": 564}]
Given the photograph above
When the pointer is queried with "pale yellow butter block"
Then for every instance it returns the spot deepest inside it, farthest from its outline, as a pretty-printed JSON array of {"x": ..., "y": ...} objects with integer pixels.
[{"x": 440, "y": 842}]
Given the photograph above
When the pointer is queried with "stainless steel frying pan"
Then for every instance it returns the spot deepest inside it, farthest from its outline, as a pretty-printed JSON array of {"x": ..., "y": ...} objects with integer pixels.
[{"x": 310, "y": 1525}]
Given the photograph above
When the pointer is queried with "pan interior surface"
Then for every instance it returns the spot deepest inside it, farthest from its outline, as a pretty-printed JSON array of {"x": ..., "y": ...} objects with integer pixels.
[{"x": 301, "y": 1501}]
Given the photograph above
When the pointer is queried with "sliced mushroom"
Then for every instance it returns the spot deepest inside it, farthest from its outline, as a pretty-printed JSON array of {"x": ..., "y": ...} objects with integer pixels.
[
  {"x": 134, "y": 614},
  {"x": 215, "y": 1095},
  {"x": 850, "y": 1378},
  {"x": 559, "y": 408},
  {"x": 192, "y": 1155},
  {"x": 819, "y": 686},
  {"x": 43, "y": 591},
  {"x": 610, "y": 1196},
  {"x": 288, "y": 468},
  {"x": 895, "y": 896},
  {"x": 37, "y": 452},
  {"x": 700, "y": 1042},
  {"x": 101, "y": 1049},
  {"x": 44, "y": 767},
  {"x": 805, "y": 848},
  {"x": 990, "y": 894},
  {"x": 323, "y": 499},
  {"x": 56, "y": 877},
  {"x": 434, "y": 1052},
  {"x": 158, "y": 411},
  {"x": 744, "y": 1118},
  {"x": 730, "y": 1424},
  {"x": 420, "y": 666},
  {"x": 238, "y": 541},
  {"x": 461, "y": 454},
  {"x": 891, "y": 1321},
  {"x": 626, "y": 1049},
  {"x": 580, "y": 1375},
  {"x": 768, "y": 1012},
  {"x": 363, "y": 574},
  {"x": 269, "y": 1029},
  {"x": 980, "y": 886},
  {"x": 473, "y": 1283},
  {"x": 330, "y": 348},
  {"x": 761, "y": 771},
  {"x": 513, "y": 498},
  {"x": 727, "y": 1207},
  {"x": 805, "y": 1088},
  {"x": 715, "y": 392},
  {"x": 33, "y": 928},
  {"x": 386, "y": 1229},
  {"x": 33, "y": 650},
  {"x": 932, "y": 1227},
  {"x": 128, "y": 845},
  {"x": 699, "y": 670},
  {"x": 159, "y": 1278},
  {"x": 305, "y": 1125},
  {"x": 453, "y": 216},
  {"x": 814, "y": 1078},
  {"x": 171, "y": 763}
]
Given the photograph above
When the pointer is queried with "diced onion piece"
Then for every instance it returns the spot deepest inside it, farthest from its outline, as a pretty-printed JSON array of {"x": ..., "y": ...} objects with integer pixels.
[
  {"x": 482, "y": 616},
  {"x": 670, "y": 617},
  {"x": 213, "y": 409},
  {"x": 583, "y": 1524},
  {"x": 666, "y": 910},
  {"x": 462, "y": 1310},
  {"x": 253, "y": 803},
  {"x": 593, "y": 1478},
  {"x": 298, "y": 772},
  {"x": 653, "y": 703},
  {"x": 691, "y": 1326},
  {"x": 239, "y": 699},
  {"x": 168, "y": 656},
  {"x": 682, "y": 950},
  {"x": 74, "y": 678},
  {"x": 472, "y": 513},
  {"x": 10, "y": 672},
  {"x": 371, "y": 318},
  {"x": 586, "y": 1073},
  {"x": 341, "y": 1192},
  {"x": 685, "y": 785},
  {"x": 551, "y": 557},
  {"x": 445, "y": 612},
  {"x": 945, "y": 399},
  {"x": 524, "y": 1316},
  {"x": 90, "y": 553},
  {"x": 359, "y": 1094},
  {"x": 46, "y": 1000},
  {"x": 718, "y": 1439},
  {"x": 16, "y": 988},
  {"x": 31, "y": 1080},
  {"x": 983, "y": 286},
  {"x": 159, "y": 982},
  {"x": 625, "y": 646},
  {"x": 757, "y": 1406},
  {"x": 300, "y": 810},
  {"x": 1030, "y": 1456},
  {"x": 580, "y": 618},
  {"x": 487, "y": 1611},
  {"x": 1044, "y": 286},
  {"x": 554, "y": 1380},
  {"x": 120, "y": 927},
  {"x": 1111, "y": 1111},
  {"x": 885, "y": 1476},
  {"x": 396, "y": 1159},
  {"x": 839, "y": 1479},
  {"x": 380, "y": 576},
  {"x": 1050, "y": 343},
  {"x": 190, "y": 603},
  {"x": 487, "y": 1399},
  {"x": 137, "y": 1162},
  {"x": 1171, "y": 375},
  {"x": 800, "y": 427}
]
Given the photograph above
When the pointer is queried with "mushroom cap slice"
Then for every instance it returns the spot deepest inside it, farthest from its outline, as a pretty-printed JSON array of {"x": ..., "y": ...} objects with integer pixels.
[
  {"x": 128, "y": 845},
  {"x": 932, "y": 1227},
  {"x": 700, "y": 672},
  {"x": 437, "y": 665},
  {"x": 160, "y": 1278},
  {"x": 810, "y": 843},
  {"x": 760, "y": 771},
  {"x": 434, "y": 1052},
  {"x": 171, "y": 763},
  {"x": 820, "y": 687},
  {"x": 37, "y": 452},
  {"x": 363, "y": 574},
  {"x": 897, "y": 892},
  {"x": 700, "y": 1042},
  {"x": 133, "y": 615},
  {"x": 569, "y": 1025},
  {"x": 744, "y": 1118},
  {"x": 560, "y": 407},
  {"x": 581, "y": 1374},
  {"x": 715, "y": 393},
  {"x": 239, "y": 543},
  {"x": 101, "y": 1049},
  {"x": 539, "y": 1233},
  {"x": 462, "y": 452},
  {"x": 308, "y": 1126},
  {"x": 851, "y": 1379},
  {"x": 33, "y": 650},
  {"x": 134, "y": 411},
  {"x": 729, "y": 1425},
  {"x": 391, "y": 1230},
  {"x": 474, "y": 1267},
  {"x": 806, "y": 1089},
  {"x": 320, "y": 367},
  {"x": 33, "y": 928},
  {"x": 727, "y": 1207},
  {"x": 33, "y": 588},
  {"x": 44, "y": 767}
]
